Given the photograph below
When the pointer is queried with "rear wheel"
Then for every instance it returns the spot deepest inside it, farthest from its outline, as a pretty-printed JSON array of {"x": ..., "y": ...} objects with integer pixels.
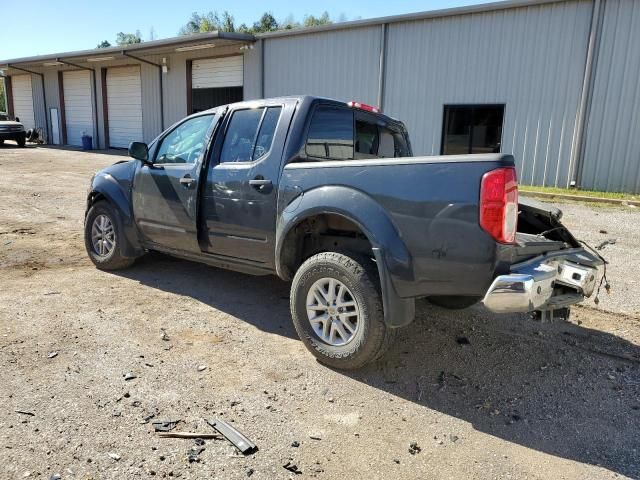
[
  {"x": 337, "y": 310},
  {"x": 454, "y": 303},
  {"x": 104, "y": 239}
]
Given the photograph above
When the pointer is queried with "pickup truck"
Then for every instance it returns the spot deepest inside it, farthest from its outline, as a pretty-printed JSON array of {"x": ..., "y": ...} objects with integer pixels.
[
  {"x": 326, "y": 195},
  {"x": 12, "y": 130}
]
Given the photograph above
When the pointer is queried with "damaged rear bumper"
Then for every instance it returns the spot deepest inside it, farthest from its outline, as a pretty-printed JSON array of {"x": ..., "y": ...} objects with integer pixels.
[{"x": 546, "y": 282}]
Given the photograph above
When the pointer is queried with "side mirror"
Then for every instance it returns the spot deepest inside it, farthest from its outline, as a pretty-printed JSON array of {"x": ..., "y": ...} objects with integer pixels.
[{"x": 139, "y": 151}]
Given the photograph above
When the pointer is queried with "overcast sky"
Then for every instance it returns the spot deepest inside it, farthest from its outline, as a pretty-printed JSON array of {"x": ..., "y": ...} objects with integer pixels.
[{"x": 51, "y": 26}]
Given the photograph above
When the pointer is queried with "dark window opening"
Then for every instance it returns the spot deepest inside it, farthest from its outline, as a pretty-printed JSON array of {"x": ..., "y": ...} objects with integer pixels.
[
  {"x": 333, "y": 135},
  {"x": 472, "y": 129},
  {"x": 250, "y": 134},
  {"x": 206, "y": 98}
]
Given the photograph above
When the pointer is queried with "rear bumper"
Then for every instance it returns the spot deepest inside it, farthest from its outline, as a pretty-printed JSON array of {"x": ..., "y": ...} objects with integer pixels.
[{"x": 544, "y": 283}]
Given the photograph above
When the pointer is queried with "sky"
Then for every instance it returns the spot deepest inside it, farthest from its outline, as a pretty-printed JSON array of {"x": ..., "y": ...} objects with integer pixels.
[{"x": 55, "y": 26}]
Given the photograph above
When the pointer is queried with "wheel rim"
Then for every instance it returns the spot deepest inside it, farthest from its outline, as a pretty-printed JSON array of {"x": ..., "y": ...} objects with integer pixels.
[
  {"x": 103, "y": 236},
  {"x": 333, "y": 312}
]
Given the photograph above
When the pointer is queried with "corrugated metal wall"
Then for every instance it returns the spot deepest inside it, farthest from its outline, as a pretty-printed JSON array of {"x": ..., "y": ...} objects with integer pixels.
[
  {"x": 38, "y": 104},
  {"x": 531, "y": 59},
  {"x": 342, "y": 64},
  {"x": 611, "y": 158}
]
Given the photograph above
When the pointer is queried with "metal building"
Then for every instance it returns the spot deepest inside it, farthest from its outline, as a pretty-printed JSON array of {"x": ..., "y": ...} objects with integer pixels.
[{"x": 552, "y": 81}]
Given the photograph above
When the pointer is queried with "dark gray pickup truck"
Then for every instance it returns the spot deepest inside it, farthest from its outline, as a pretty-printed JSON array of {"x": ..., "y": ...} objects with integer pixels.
[{"x": 326, "y": 194}]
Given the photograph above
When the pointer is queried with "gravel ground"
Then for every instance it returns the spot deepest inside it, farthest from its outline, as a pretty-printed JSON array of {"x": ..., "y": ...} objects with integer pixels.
[{"x": 481, "y": 395}]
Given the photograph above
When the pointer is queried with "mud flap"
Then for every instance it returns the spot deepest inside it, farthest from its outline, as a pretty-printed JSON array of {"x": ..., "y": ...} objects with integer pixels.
[{"x": 398, "y": 312}]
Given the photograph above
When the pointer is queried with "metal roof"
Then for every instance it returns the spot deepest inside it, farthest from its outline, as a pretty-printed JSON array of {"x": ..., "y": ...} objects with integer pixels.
[
  {"x": 153, "y": 46},
  {"x": 230, "y": 37}
]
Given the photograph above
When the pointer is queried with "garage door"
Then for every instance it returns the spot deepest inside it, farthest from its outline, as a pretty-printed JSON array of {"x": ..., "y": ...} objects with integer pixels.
[
  {"x": 23, "y": 100},
  {"x": 216, "y": 81},
  {"x": 78, "y": 109},
  {"x": 124, "y": 105}
]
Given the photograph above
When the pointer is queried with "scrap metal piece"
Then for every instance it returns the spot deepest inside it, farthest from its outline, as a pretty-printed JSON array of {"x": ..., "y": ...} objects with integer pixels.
[
  {"x": 204, "y": 436},
  {"x": 164, "y": 425},
  {"x": 241, "y": 442}
]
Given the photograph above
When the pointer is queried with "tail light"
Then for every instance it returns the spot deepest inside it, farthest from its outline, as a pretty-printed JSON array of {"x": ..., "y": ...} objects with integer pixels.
[{"x": 499, "y": 204}]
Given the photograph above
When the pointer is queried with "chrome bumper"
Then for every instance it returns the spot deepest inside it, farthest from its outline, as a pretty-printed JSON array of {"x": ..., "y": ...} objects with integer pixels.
[{"x": 533, "y": 285}]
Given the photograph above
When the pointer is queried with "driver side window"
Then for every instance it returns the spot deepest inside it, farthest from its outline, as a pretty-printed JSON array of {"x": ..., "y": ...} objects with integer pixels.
[{"x": 185, "y": 143}]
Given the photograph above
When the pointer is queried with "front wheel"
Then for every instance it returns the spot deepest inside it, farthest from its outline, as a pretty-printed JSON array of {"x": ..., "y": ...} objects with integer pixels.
[
  {"x": 103, "y": 238},
  {"x": 22, "y": 141},
  {"x": 337, "y": 310}
]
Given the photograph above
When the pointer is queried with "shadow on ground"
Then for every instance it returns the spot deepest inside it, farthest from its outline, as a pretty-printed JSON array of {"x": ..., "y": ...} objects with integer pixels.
[{"x": 561, "y": 389}]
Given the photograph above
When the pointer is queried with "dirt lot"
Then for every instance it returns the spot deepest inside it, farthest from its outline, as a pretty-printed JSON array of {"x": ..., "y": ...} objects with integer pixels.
[{"x": 483, "y": 396}]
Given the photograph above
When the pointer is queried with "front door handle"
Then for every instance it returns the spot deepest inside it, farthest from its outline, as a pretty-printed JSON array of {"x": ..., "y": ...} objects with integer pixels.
[
  {"x": 187, "y": 180},
  {"x": 260, "y": 182}
]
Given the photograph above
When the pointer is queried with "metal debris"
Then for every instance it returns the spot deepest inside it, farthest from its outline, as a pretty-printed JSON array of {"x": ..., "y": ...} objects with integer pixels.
[
  {"x": 610, "y": 241},
  {"x": 129, "y": 376},
  {"x": 414, "y": 448},
  {"x": 22, "y": 412},
  {"x": 52, "y": 354},
  {"x": 204, "y": 436},
  {"x": 164, "y": 425},
  {"x": 114, "y": 456},
  {"x": 292, "y": 468},
  {"x": 194, "y": 453},
  {"x": 241, "y": 442}
]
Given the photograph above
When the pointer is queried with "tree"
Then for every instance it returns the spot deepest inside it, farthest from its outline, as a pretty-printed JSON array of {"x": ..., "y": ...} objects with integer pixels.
[
  {"x": 267, "y": 23},
  {"x": 104, "y": 44},
  {"x": 3, "y": 99},
  {"x": 209, "y": 22},
  {"x": 289, "y": 23},
  {"x": 128, "y": 38},
  {"x": 311, "y": 21}
]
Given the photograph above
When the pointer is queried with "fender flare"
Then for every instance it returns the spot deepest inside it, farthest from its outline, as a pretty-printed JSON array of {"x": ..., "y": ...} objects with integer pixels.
[
  {"x": 392, "y": 256},
  {"x": 107, "y": 187}
]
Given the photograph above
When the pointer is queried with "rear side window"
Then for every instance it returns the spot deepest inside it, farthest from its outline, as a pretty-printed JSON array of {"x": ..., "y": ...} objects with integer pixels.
[
  {"x": 331, "y": 134},
  {"x": 250, "y": 134},
  {"x": 377, "y": 140},
  {"x": 393, "y": 144}
]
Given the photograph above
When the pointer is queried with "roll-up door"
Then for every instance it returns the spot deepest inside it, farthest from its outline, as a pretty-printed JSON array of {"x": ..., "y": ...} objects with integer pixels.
[
  {"x": 78, "y": 109},
  {"x": 216, "y": 81},
  {"x": 124, "y": 105},
  {"x": 23, "y": 100}
]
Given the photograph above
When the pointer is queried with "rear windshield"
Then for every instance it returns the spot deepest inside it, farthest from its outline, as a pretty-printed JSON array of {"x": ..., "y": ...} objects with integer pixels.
[{"x": 340, "y": 133}]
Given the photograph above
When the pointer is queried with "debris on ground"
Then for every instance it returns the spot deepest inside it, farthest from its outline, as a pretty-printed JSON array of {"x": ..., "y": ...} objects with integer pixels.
[
  {"x": 164, "y": 335},
  {"x": 164, "y": 425},
  {"x": 610, "y": 241},
  {"x": 202, "y": 368},
  {"x": 23, "y": 412},
  {"x": 295, "y": 444},
  {"x": 52, "y": 354},
  {"x": 241, "y": 442},
  {"x": 193, "y": 455},
  {"x": 129, "y": 376},
  {"x": 114, "y": 456},
  {"x": 414, "y": 448},
  {"x": 203, "y": 436},
  {"x": 315, "y": 437},
  {"x": 463, "y": 341},
  {"x": 292, "y": 468}
]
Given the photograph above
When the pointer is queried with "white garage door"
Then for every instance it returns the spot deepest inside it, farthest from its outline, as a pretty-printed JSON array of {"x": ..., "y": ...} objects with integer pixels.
[
  {"x": 77, "y": 105},
  {"x": 124, "y": 104},
  {"x": 217, "y": 72},
  {"x": 23, "y": 100}
]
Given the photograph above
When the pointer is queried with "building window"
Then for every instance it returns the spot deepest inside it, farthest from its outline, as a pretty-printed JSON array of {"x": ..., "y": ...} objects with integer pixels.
[{"x": 472, "y": 129}]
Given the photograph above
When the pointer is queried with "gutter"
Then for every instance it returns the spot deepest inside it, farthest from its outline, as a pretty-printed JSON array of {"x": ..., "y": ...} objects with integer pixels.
[
  {"x": 125, "y": 54},
  {"x": 44, "y": 95}
]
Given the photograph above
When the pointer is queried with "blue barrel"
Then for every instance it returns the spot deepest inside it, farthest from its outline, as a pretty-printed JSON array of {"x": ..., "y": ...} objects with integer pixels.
[{"x": 87, "y": 142}]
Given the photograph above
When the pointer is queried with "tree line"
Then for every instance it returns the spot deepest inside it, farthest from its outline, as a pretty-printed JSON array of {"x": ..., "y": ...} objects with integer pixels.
[{"x": 225, "y": 22}]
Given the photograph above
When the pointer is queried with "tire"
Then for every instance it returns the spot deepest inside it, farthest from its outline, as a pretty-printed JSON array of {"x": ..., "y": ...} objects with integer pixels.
[
  {"x": 1, "y": 141},
  {"x": 108, "y": 259},
  {"x": 454, "y": 303},
  {"x": 370, "y": 338},
  {"x": 21, "y": 141}
]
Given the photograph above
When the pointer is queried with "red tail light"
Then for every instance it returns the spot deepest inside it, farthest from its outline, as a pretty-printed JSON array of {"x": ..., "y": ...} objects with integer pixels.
[{"x": 499, "y": 204}]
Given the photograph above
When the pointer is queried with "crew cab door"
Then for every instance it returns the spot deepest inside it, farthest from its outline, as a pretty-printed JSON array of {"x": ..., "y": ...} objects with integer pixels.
[
  {"x": 239, "y": 198},
  {"x": 165, "y": 193}
]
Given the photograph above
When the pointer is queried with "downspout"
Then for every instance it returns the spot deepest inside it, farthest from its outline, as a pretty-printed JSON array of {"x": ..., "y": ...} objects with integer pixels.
[
  {"x": 383, "y": 65},
  {"x": 159, "y": 65},
  {"x": 44, "y": 94},
  {"x": 578, "y": 147},
  {"x": 95, "y": 95}
]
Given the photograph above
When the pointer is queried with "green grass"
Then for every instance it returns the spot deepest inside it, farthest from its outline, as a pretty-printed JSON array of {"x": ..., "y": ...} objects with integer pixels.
[{"x": 575, "y": 191}]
